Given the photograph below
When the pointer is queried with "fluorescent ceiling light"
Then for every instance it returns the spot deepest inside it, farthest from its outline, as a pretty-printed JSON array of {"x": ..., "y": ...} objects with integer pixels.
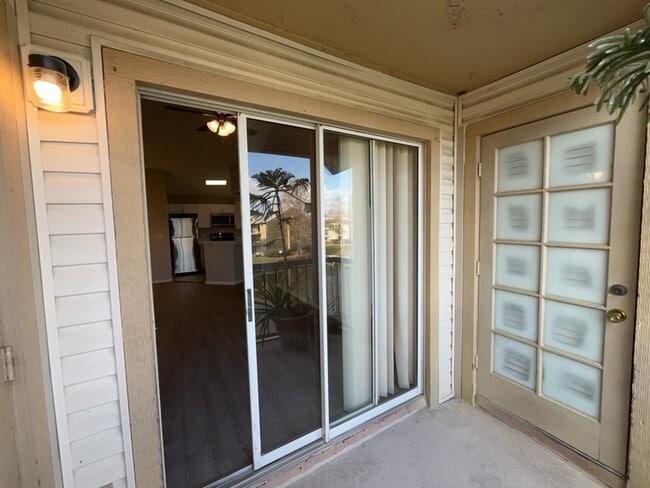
[{"x": 216, "y": 182}]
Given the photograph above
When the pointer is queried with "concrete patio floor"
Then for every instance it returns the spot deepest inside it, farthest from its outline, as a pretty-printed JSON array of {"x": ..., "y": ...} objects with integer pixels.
[{"x": 454, "y": 445}]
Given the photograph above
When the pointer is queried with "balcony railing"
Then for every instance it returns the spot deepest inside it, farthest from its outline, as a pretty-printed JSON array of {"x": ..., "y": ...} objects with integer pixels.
[{"x": 297, "y": 277}]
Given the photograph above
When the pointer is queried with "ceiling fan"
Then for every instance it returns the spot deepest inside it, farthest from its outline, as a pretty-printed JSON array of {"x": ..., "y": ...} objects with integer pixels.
[{"x": 220, "y": 123}]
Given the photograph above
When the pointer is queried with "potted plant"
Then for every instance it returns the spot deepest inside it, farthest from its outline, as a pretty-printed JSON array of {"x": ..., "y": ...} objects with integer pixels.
[{"x": 280, "y": 304}]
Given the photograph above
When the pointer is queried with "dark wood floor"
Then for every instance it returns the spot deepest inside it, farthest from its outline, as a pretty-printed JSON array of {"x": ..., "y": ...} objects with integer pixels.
[{"x": 203, "y": 377}]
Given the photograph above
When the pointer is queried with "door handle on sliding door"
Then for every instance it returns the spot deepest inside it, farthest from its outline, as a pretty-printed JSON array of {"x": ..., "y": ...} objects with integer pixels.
[{"x": 249, "y": 304}]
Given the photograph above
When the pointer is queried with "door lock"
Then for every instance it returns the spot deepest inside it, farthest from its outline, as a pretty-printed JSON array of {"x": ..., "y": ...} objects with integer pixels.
[
  {"x": 618, "y": 290},
  {"x": 616, "y": 315}
]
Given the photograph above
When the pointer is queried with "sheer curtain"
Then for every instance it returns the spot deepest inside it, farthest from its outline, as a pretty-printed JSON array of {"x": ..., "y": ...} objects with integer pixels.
[
  {"x": 395, "y": 185},
  {"x": 389, "y": 280},
  {"x": 355, "y": 284}
]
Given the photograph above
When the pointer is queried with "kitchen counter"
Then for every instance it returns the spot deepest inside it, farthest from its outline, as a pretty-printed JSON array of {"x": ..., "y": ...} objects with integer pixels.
[{"x": 223, "y": 262}]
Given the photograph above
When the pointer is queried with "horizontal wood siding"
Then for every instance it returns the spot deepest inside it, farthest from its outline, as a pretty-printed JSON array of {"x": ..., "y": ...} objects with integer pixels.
[
  {"x": 446, "y": 266},
  {"x": 72, "y": 203}
]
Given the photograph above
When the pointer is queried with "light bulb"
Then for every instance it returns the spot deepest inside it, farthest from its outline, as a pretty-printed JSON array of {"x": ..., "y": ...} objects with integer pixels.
[
  {"x": 213, "y": 125},
  {"x": 227, "y": 128}
]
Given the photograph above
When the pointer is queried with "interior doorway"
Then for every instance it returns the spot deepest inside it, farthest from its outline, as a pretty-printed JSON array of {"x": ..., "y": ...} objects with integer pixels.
[{"x": 192, "y": 186}]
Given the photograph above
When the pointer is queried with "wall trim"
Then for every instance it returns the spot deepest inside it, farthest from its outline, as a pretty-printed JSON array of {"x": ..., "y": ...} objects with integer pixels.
[{"x": 201, "y": 37}]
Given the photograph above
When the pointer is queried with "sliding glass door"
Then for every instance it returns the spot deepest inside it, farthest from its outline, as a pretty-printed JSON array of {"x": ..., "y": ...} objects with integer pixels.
[
  {"x": 332, "y": 243},
  {"x": 282, "y": 287},
  {"x": 370, "y": 190}
]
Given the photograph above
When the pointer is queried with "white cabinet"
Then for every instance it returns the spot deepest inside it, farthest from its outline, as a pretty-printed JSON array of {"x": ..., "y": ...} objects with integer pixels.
[
  {"x": 204, "y": 211},
  {"x": 223, "y": 208},
  {"x": 184, "y": 208}
]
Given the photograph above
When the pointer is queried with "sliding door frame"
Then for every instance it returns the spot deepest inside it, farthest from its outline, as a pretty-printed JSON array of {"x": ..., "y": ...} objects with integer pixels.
[
  {"x": 127, "y": 75},
  {"x": 372, "y": 411},
  {"x": 261, "y": 459}
]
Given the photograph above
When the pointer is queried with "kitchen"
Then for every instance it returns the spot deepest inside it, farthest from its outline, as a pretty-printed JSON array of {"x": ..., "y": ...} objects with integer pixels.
[
  {"x": 194, "y": 174},
  {"x": 210, "y": 241}
]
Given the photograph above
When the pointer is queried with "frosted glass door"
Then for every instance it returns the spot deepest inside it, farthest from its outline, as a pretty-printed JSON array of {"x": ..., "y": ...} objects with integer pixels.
[{"x": 559, "y": 244}]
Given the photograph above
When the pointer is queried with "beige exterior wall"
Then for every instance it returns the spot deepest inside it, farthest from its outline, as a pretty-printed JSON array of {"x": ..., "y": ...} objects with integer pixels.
[{"x": 28, "y": 397}]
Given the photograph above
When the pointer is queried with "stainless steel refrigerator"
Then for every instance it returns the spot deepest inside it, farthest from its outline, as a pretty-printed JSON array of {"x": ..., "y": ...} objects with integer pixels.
[{"x": 183, "y": 230}]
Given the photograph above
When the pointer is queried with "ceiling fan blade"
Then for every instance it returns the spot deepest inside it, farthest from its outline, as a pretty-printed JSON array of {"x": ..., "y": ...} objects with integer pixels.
[{"x": 191, "y": 110}]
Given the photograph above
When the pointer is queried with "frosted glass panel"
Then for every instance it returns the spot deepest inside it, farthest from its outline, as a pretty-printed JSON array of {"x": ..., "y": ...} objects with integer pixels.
[
  {"x": 520, "y": 167},
  {"x": 572, "y": 383},
  {"x": 577, "y": 273},
  {"x": 574, "y": 329},
  {"x": 519, "y": 217},
  {"x": 517, "y": 266},
  {"x": 582, "y": 157},
  {"x": 516, "y": 314},
  {"x": 579, "y": 216},
  {"x": 515, "y": 361}
]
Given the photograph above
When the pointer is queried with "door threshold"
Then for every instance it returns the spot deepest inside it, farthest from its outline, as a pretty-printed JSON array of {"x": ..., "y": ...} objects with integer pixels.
[
  {"x": 304, "y": 461},
  {"x": 592, "y": 467}
]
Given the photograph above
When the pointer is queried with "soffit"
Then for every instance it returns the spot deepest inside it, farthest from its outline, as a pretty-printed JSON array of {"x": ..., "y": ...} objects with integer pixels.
[{"x": 448, "y": 45}]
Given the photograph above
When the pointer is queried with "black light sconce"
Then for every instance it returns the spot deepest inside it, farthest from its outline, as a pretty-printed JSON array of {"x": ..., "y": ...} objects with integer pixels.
[{"x": 50, "y": 82}]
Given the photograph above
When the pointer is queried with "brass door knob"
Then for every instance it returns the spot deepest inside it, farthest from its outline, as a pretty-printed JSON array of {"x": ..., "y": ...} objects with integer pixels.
[{"x": 616, "y": 315}]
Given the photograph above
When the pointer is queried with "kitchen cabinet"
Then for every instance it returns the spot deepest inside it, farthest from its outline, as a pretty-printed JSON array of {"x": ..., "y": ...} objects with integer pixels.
[
  {"x": 204, "y": 212},
  {"x": 183, "y": 208}
]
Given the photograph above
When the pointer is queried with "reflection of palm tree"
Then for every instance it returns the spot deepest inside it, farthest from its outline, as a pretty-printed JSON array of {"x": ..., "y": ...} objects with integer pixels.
[{"x": 274, "y": 184}]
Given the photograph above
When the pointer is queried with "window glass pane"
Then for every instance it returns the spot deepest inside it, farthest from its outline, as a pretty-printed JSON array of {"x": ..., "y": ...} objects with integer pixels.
[
  {"x": 520, "y": 167},
  {"x": 281, "y": 162},
  {"x": 582, "y": 157},
  {"x": 572, "y": 383},
  {"x": 517, "y": 266},
  {"x": 348, "y": 247},
  {"x": 516, "y": 314},
  {"x": 519, "y": 217},
  {"x": 577, "y": 273},
  {"x": 515, "y": 361},
  {"x": 579, "y": 216},
  {"x": 574, "y": 329}
]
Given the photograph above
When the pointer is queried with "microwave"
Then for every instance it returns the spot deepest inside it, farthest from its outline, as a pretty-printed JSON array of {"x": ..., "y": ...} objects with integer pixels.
[{"x": 222, "y": 219}]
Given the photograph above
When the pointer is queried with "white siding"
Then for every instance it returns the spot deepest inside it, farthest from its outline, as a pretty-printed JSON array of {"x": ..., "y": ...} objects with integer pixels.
[
  {"x": 93, "y": 431},
  {"x": 73, "y": 206},
  {"x": 446, "y": 266}
]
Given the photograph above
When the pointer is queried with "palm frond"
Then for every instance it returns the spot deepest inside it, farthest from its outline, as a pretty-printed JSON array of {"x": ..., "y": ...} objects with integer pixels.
[{"x": 620, "y": 67}]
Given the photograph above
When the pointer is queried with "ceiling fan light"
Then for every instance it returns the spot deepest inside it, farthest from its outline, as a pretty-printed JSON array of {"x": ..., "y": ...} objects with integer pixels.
[
  {"x": 226, "y": 127},
  {"x": 213, "y": 125}
]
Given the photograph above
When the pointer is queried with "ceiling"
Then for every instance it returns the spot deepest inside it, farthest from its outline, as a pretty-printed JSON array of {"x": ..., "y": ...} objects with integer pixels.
[
  {"x": 448, "y": 45},
  {"x": 177, "y": 143}
]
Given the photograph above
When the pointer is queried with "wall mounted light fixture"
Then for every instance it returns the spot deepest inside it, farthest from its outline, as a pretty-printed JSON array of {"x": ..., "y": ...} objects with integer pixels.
[{"x": 50, "y": 82}]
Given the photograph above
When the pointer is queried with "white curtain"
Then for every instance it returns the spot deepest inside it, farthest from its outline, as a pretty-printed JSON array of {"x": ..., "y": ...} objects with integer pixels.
[
  {"x": 396, "y": 218},
  {"x": 394, "y": 197},
  {"x": 355, "y": 278}
]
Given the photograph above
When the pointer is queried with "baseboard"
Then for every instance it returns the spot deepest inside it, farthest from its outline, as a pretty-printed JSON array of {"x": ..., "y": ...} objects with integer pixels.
[{"x": 229, "y": 283}]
